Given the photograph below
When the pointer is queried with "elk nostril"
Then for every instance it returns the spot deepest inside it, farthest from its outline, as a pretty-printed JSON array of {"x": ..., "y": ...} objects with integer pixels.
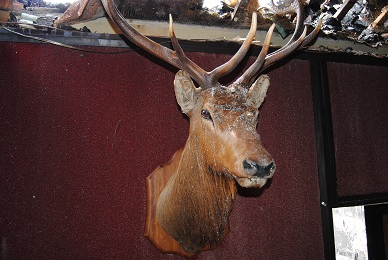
[
  {"x": 270, "y": 167},
  {"x": 258, "y": 170},
  {"x": 250, "y": 166},
  {"x": 264, "y": 171}
]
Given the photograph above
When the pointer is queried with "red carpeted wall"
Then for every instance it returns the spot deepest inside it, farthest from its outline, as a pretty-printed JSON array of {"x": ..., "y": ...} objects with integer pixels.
[
  {"x": 79, "y": 133},
  {"x": 359, "y": 95}
]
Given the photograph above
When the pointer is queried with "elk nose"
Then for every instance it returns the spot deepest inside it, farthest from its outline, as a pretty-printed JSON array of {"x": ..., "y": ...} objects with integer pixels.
[{"x": 258, "y": 170}]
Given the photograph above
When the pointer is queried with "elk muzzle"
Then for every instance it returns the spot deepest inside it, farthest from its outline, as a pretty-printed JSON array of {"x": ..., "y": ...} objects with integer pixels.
[
  {"x": 259, "y": 170},
  {"x": 257, "y": 174}
]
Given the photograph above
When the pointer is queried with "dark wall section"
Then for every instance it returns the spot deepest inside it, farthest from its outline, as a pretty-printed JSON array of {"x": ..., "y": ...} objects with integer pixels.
[
  {"x": 359, "y": 106},
  {"x": 79, "y": 132}
]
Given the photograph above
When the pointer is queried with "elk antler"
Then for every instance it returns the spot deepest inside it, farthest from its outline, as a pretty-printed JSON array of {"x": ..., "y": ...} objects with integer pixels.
[
  {"x": 206, "y": 79},
  {"x": 298, "y": 40},
  {"x": 253, "y": 69},
  {"x": 211, "y": 78},
  {"x": 177, "y": 58}
]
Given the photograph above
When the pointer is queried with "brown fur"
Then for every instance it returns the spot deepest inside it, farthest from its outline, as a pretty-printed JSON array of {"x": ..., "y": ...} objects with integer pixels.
[
  {"x": 196, "y": 203},
  {"x": 194, "y": 206}
]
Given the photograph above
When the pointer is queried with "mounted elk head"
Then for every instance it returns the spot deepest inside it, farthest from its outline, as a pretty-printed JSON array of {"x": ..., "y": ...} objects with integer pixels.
[{"x": 190, "y": 198}]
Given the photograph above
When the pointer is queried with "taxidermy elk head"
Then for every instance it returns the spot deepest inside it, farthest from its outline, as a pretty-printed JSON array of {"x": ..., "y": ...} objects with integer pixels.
[{"x": 190, "y": 198}]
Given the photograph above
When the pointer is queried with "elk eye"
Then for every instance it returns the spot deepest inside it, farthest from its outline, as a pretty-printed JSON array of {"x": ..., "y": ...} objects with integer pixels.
[{"x": 206, "y": 114}]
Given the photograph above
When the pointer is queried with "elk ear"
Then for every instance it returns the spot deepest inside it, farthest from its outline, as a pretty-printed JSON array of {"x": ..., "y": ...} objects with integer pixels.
[
  {"x": 258, "y": 91},
  {"x": 185, "y": 91}
]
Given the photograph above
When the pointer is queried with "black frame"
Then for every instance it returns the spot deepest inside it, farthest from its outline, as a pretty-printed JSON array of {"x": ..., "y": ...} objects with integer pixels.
[
  {"x": 325, "y": 150},
  {"x": 326, "y": 155}
]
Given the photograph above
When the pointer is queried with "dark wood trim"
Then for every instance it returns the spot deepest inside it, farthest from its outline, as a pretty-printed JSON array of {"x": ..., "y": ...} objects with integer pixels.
[
  {"x": 358, "y": 200},
  {"x": 325, "y": 155},
  {"x": 225, "y": 47}
]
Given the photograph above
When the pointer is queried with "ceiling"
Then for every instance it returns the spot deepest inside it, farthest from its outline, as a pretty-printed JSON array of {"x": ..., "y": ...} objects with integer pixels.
[{"x": 347, "y": 24}]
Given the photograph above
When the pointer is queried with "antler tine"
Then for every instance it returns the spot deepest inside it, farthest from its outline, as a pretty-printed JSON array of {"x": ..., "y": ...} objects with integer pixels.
[
  {"x": 295, "y": 38},
  {"x": 244, "y": 80},
  {"x": 177, "y": 58},
  {"x": 227, "y": 67},
  {"x": 312, "y": 35},
  {"x": 287, "y": 49},
  {"x": 208, "y": 79},
  {"x": 140, "y": 40},
  {"x": 299, "y": 25},
  {"x": 298, "y": 40},
  {"x": 282, "y": 52},
  {"x": 299, "y": 22},
  {"x": 197, "y": 73}
]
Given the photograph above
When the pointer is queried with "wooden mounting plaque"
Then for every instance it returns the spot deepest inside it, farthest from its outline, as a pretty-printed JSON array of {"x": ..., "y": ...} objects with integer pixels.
[{"x": 155, "y": 184}]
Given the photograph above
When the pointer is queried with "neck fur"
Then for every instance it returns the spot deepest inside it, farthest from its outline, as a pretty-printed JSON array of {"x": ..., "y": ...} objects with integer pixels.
[{"x": 194, "y": 206}]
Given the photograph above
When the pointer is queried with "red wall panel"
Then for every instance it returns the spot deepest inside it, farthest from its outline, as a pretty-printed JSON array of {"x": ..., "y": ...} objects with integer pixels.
[
  {"x": 79, "y": 133},
  {"x": 359, "y": 95}
]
